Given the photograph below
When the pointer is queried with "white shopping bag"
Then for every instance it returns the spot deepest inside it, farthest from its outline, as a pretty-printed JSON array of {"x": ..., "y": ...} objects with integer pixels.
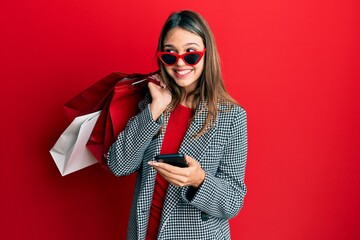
[{"x": 69, "y": 152}]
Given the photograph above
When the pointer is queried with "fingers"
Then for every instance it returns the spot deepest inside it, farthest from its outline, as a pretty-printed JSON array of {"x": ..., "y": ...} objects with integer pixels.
[
  {"x": 168, "y": 168},
  {"x": 174, "y": 175},
  {"x": 176, "y": 181},
  {"x": 190, "y": 161},
  {"x": 189, "y": 176},
  {"x": 153, "y": 86},
  {"x": 158, "y": 78}
]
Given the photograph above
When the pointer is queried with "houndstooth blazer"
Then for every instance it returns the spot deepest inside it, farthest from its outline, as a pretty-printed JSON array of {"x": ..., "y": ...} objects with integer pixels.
[{"x": 188, "y": 213}]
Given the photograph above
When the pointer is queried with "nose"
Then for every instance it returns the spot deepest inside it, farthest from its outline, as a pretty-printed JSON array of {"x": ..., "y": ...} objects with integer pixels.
[{"x": 180, "y": 62}]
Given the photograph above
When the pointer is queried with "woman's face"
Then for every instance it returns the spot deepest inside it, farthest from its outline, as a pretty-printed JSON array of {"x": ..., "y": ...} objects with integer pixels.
[{"x": 181, "y": 41}]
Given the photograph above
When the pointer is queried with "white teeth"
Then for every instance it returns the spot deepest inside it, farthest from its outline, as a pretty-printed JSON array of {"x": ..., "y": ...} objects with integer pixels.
[{"x": 183, "y": 72}]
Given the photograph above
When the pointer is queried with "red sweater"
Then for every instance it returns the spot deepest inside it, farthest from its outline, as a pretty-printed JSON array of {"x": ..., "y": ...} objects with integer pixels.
[{"x": 175, "y": 132}]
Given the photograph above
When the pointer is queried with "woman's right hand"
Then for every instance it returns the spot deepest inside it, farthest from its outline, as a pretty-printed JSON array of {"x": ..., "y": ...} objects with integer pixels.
[{"x": 161, "y": 97}]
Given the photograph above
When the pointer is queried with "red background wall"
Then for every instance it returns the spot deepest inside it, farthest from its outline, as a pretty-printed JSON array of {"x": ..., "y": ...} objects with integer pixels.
[{"x": 294, "y": 66}]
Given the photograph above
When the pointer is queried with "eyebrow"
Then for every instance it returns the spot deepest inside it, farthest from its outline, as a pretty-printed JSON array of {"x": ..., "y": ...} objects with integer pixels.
[{"x": 187, "y": 44}]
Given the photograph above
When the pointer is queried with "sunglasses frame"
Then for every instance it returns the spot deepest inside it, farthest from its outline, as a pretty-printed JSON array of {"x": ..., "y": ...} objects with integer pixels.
[{"x": 182, "y": 56}]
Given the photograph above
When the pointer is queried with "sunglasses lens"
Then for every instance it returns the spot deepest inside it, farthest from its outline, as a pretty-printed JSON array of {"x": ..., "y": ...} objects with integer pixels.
[
  {"x": 168, "y": 59},
  {"x": 192, "y": 58}
]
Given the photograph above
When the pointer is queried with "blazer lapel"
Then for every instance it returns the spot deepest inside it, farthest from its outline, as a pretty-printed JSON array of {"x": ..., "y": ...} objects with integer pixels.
[{"x": 196, "y": 147}]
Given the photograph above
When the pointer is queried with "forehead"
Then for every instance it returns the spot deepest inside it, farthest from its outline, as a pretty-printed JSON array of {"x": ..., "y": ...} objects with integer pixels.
[{"x": 179, "y": 37}]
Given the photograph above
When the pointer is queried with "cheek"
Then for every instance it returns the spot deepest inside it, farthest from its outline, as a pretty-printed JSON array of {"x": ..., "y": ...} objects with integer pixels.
[
  {"x": 200, "y": 67},
  {"x": 169, "y": 71}
]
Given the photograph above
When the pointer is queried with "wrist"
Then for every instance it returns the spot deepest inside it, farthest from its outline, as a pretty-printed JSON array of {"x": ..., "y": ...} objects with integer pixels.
[
  {"x": 200, "y": 180},
  {"x": 156, "y": 110}
]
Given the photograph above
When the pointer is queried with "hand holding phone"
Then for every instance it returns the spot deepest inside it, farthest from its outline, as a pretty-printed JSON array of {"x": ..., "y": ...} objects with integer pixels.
[{"x": 177, "y": 159}]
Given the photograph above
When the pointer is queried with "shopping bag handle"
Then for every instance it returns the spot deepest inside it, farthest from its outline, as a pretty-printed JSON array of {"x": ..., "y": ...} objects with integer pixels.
[{"x": 149, "y": 79}]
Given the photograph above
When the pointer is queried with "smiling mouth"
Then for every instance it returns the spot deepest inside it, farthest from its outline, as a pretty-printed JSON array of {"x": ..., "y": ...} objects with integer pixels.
[{"x": 182, "y": 73}]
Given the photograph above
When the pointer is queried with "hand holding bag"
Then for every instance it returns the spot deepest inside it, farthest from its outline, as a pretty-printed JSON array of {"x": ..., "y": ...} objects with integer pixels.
[
  {"x": 121, "y": 106},
  {"x": 91, "y": 133}
]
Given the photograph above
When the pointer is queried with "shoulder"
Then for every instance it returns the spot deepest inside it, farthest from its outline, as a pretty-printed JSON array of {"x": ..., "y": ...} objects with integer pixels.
[
  {"x": 231, "y": 117},
  {"x": 232, "y": 122},
  {"x": 231, "y": 110}
]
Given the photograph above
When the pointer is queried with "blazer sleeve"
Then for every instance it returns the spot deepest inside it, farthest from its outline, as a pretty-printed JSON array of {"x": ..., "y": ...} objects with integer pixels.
[
  {"x": 126, "y": 154},
  {"x": 222, "y": 195}
]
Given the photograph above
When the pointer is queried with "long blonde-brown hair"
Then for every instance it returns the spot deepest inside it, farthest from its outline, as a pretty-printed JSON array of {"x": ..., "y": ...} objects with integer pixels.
[{"x": 210, "y": 89}]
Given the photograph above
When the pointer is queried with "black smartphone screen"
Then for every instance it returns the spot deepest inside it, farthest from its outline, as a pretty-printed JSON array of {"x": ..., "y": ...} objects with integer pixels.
[{"x": 176, "y": 159}]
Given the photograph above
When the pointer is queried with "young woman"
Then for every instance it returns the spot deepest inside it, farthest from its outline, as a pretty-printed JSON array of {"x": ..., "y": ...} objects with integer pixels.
[{"x": 190, "y": 112}]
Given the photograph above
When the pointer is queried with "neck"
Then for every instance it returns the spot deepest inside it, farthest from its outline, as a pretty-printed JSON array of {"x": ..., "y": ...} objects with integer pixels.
[{"x": 187, "y": 101}]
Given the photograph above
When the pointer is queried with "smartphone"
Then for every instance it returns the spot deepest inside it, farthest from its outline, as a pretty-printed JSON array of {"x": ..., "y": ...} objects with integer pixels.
[{"x": 176, "y": 159}]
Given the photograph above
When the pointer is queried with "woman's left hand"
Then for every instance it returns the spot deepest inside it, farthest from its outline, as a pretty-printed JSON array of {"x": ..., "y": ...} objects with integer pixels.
[{"x": 193, "y": 175}]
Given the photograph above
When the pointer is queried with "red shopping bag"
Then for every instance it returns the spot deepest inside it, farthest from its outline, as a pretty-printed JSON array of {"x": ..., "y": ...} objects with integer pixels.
[
  {"x": 122, "y": 104},
  {"x": 95, "y": 97},
  {"x": 117, "y": 96}
]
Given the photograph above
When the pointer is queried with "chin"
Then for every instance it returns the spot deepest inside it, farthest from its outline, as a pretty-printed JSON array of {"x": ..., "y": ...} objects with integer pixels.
[{"x": 187, "y": 85}]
